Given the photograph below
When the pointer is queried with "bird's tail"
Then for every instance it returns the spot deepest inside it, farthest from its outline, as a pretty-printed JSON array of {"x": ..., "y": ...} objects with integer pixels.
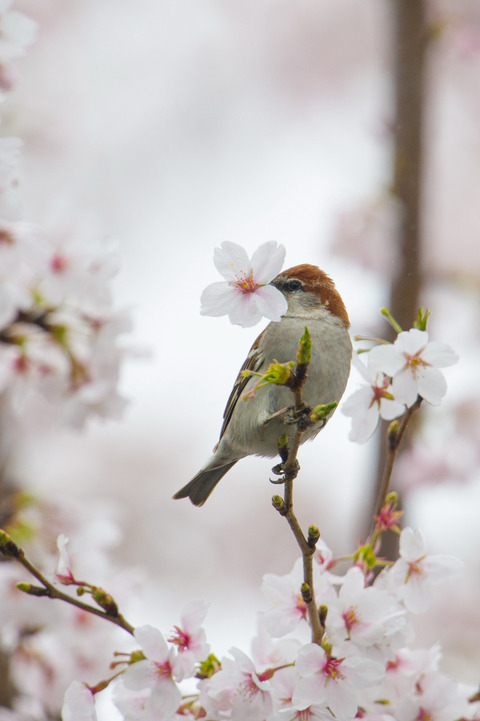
[{"x": 200, "y": 487}]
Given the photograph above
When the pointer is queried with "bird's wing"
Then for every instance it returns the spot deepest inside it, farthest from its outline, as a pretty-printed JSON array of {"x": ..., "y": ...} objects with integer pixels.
[{"x": 253, "y": 362}]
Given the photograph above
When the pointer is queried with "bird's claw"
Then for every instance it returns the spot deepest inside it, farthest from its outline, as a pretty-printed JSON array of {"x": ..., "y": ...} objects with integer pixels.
[
  {"x": 279, "y": 470},
  {"x": 299, "y": 417}
]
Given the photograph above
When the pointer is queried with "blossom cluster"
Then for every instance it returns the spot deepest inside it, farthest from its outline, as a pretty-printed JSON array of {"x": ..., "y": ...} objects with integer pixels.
[
  {"x": 364, "y": 667},
  {"x": 396, "y": 375},
  {"x": 46, "y": 643},
  {"x": 59, "y": 351}
]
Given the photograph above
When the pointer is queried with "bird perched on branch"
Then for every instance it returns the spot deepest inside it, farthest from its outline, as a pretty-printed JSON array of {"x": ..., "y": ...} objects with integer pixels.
[{"x": 253, "y": 426}]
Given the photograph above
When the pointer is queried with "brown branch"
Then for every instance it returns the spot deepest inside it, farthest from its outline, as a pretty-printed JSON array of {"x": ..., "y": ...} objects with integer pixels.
[
  {"x": 285, "y": 507},
  {"x": 47, "y": 589},
  {"x": 395, "y": 434}
]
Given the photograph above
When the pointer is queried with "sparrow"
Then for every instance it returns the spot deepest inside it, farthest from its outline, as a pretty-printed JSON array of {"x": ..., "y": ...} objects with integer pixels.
[{"x": 253, "y": 426}]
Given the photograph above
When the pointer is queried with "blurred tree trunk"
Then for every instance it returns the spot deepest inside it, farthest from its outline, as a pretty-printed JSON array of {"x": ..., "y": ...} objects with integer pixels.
[{"x": 409, "y": 45}]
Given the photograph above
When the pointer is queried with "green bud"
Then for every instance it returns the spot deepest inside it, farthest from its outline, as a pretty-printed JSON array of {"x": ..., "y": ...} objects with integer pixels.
[
  {"x": 392, "y": 498},
  {"x": 319, "y": 413},
  {"x": 366, "y": 555},
  {"x": 59, "y": 334},
  {"x": 422, "y": 318},
  {"x": 136, "y": 656},
  {"x": 304, "y": 351},
  {"x": 313, "y": 536},
  {"x": 282, "y": 441},
  {"x": 7, "y": 546},
  {"x": 31, "y": 589},
  {"x": 278, "y": 503},
  {"x": 306, "y": 592},
  {"x": 322, "y": 614},
  {"x": 395, "y": 325},
  {"x": 208, "y": 667},
  {"x": 105, "y": 601},
  {"x": 392, "y": 434}
]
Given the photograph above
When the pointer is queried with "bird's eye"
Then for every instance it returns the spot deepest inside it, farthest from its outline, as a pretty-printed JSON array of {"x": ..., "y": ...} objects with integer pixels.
[{"x": 292, "y": 285}]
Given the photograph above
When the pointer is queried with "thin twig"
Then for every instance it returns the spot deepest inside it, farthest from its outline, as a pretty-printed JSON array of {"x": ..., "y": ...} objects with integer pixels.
[
  {"x": 11, "y": 550},
  {"x": 394, "y": 438},
  {"x": 285, "y": 508}
]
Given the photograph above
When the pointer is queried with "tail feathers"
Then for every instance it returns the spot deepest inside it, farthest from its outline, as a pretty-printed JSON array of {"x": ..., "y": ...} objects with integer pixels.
[{"x": 200, "y": 487}]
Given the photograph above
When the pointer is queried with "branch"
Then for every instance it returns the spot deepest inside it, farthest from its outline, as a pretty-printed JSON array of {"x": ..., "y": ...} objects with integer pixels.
[
  {"x": 108, "y": 610},
  {"x": 290, "y": 468},
  {"x": 395, "y": 434}
]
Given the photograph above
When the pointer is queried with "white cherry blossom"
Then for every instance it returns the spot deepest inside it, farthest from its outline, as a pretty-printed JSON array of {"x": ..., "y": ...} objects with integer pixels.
[
  {"x": 370, "y": 402},
  {"x": 79, "y": 704},
  {"x": 414, "y": 574},
  {"x": 246, "y": 294},
  {"x": 325, "y": 679},
  {"x": 413, "y": 362},
  {"x": 365, "y": 615},
  {"x": 156, "y": 672}
]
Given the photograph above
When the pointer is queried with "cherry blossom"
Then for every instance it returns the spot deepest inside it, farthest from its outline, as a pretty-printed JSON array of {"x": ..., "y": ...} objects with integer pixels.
[
  {"x": 326, "y": 679},
  {"x": 239, "y": 689},
  {"x": 371, "y": 402},
  {"x": 283, "y": 686},
  {"x": 413, "y": 362},
  {"x": 366, "y": 616},
  {"x": 63, "y": 572},
  {"x": 414, "y": 574},
  {"x": 283, "y": 592},
  {"x": 78, "y": 704},
  {"x": 246, "y": 295},
  {"x": 155, "y": 672},
  {"x": 190, "y": 639}
]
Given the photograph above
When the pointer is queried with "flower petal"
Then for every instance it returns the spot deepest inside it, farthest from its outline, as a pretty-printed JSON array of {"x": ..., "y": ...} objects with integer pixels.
[
  {"x": 411, "y": 341},
  {"x": 432, "y": 386},
  {"x": 271, "y": 303},
  {"x": 152, "y": 642},
  {"x": 412, "y": 545},
  {"x": 404, "y": 388},
  {"x": 231, "y": 260},
  {"x": 439, "y": 355},
  {"x": 386, "y": 359},
  {"x": 267, "y": 261},
  {"x": 217, "y": 299},
  {"x": 244, "y": 310}
]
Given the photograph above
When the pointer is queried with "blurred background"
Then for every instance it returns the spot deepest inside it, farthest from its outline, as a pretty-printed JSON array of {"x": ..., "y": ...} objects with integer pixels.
[{"x": 172, "y": 126}]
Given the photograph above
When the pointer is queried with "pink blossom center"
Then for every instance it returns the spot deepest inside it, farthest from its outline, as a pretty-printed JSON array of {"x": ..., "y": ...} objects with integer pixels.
[
  {"x": 249, "y": 686},
  {"x": 388, "y": 517},
  {"x": 58, "y": 263},
  {"x": 246, "y": 283},
  {"x": 21, "y": 364},
  {"x": 304, "y": 715},
  {"x": 423, "y": 715},
  {"x": 180, "y": 638},
  {"x": 332, "y": 668},
  {"x": 380, "y": 392},
  {"x": 163, "y": 669},
  {"x": 5, "y": 237},
  {"x": 414, "y": 568},
  {"x": 301, "y": 606},
  {"x": 416, "y": 361},
  {"x": 350, "y": 618}
]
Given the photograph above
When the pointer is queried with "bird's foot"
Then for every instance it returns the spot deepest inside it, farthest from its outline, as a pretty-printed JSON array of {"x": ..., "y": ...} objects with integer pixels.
[
  {"x": 286, "y": 474},
  {"x": 300, "y": 417}
]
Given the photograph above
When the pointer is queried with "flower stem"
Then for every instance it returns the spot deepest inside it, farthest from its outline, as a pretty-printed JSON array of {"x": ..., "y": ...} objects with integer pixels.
[
  {"x": 51, "y": 591},
  {"x": 290, "y": 471},
  {"x": 394, "y": 436}
]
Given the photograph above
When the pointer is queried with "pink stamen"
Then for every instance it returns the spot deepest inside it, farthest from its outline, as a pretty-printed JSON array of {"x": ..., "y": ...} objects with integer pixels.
[{"x": 245, "y": 283}]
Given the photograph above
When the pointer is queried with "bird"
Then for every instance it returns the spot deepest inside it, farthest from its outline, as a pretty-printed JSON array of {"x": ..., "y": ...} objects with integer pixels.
[{"x": 253, "y": 426}]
